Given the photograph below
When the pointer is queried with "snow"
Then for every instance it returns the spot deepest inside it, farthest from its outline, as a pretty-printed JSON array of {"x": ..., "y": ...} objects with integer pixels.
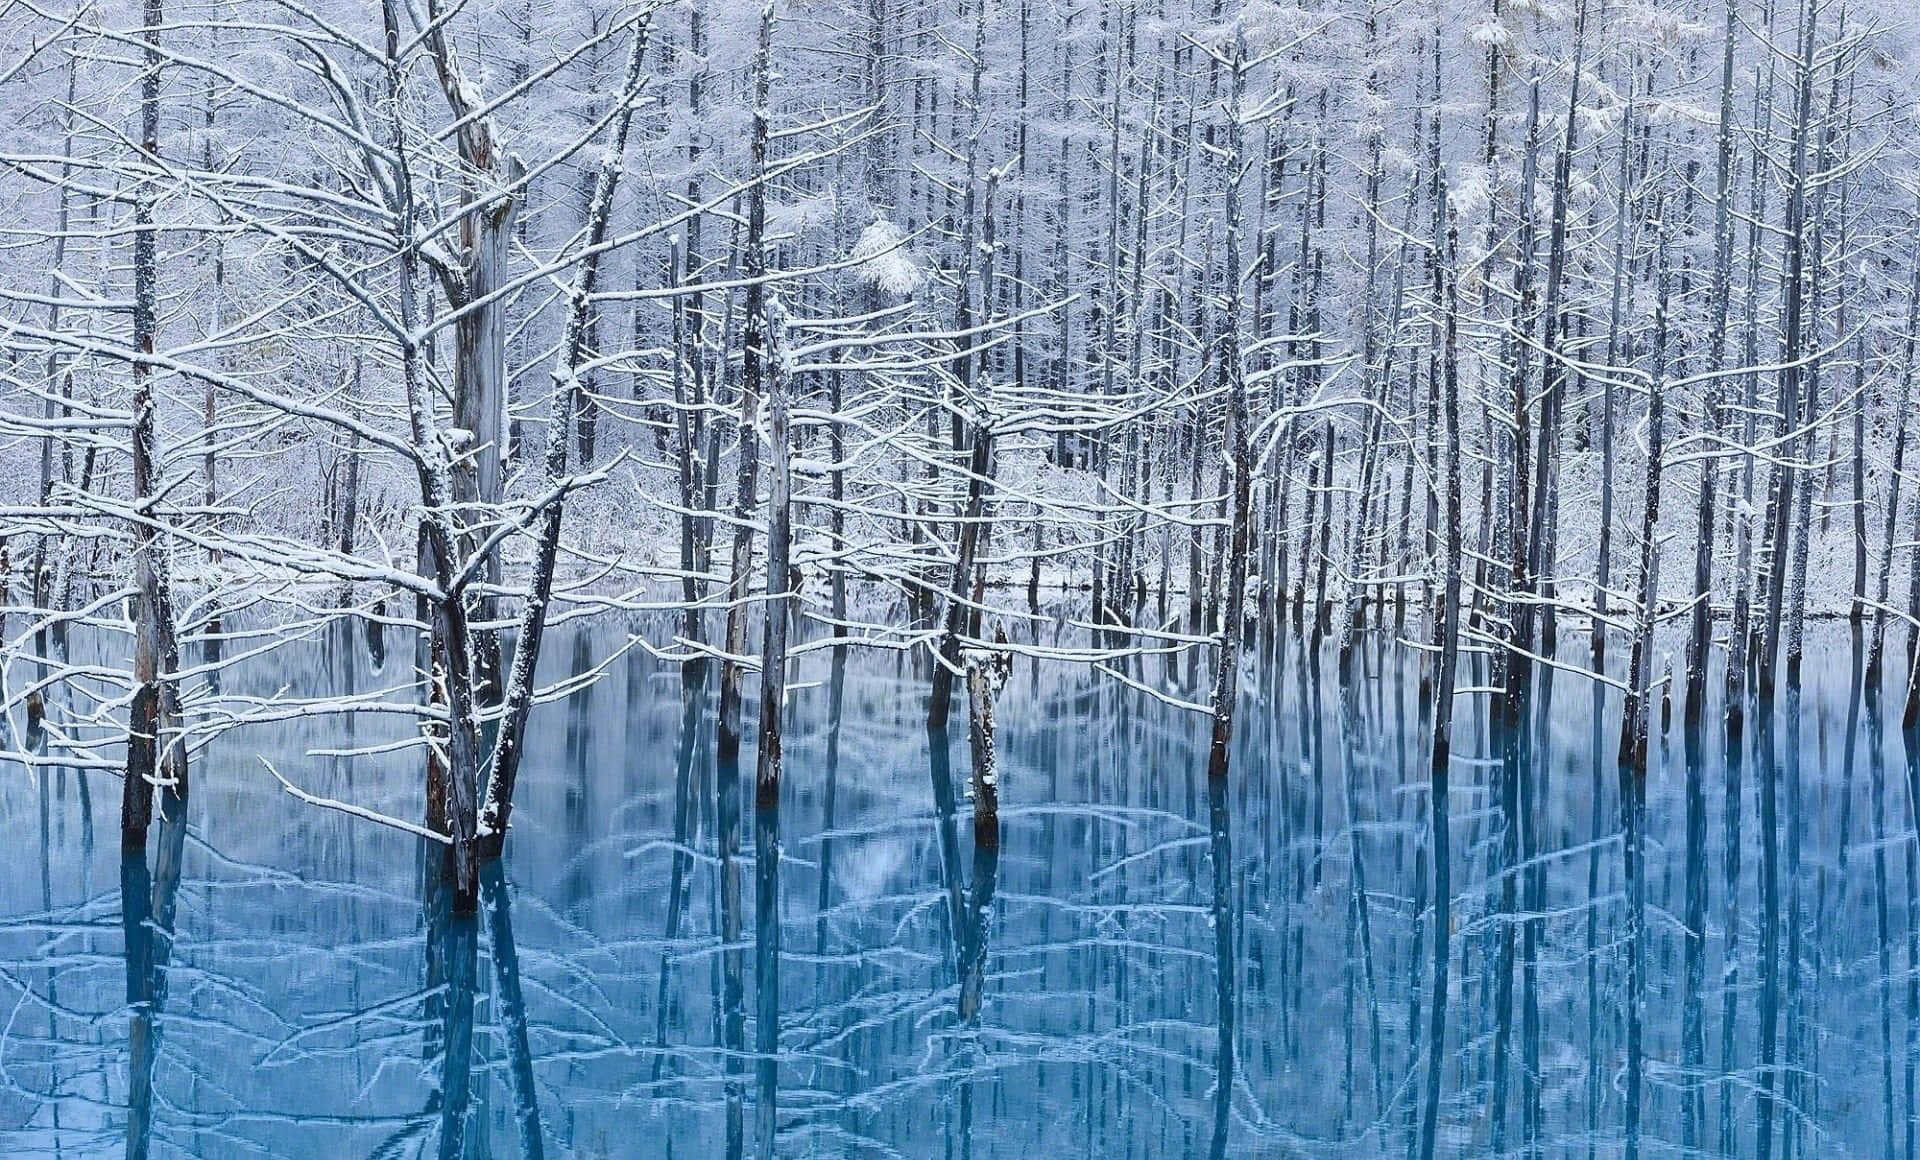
[{"x": 885, "y": 261}]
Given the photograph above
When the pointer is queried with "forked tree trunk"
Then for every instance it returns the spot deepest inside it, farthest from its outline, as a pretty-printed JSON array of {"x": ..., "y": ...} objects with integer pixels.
[
  {"x": 490, "y": 180},
  {"x": 504, "y": 767}
]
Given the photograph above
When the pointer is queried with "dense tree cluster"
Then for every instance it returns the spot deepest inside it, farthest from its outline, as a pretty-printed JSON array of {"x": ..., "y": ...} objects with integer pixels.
[{"x": 859, "y": 324}]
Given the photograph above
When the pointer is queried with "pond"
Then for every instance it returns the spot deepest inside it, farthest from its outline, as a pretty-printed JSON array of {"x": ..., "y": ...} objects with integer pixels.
[{"x": 275, "y": 979}]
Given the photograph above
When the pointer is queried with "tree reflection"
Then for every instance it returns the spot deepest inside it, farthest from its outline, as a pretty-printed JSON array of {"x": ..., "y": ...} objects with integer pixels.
[{"x": 147, "y": 908}]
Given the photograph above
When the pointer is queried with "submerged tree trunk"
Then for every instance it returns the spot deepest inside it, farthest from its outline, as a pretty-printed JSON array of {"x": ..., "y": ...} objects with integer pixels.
[
  {"x": 986, "y": 675},
  {"x": 1511, "y": 712},
  {"x": 761, "y": 368},
  {"x": 147, "y": 910},
  {"x": 155, "y": 753},
  {"x": 1635, "y": 719},
  {"x": 473, "y": 282},
  {"x": 1783, "y": 497},
  {"x": 497, "y": 803},
  {"x": 972, "y": 419},
  {"x": 1226, "y": 680},
  {"x": 1447, "y": 642},
  {"x": 453, "y": 761}
]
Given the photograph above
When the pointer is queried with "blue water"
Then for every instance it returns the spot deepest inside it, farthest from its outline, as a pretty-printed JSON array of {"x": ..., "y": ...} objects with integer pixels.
[{"x": 299, "y": 990}]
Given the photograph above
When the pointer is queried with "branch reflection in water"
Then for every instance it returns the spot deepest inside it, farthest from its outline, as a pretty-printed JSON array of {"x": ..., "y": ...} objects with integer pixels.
[{"x": 1060, "y": 936}]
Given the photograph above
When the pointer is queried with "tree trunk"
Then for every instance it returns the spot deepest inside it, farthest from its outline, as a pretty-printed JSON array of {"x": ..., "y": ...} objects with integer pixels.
[{"x": 155, "y": 757}]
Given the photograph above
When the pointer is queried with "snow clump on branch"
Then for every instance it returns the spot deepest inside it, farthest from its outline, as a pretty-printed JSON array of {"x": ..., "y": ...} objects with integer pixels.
[{"x": 886, "y": 263}]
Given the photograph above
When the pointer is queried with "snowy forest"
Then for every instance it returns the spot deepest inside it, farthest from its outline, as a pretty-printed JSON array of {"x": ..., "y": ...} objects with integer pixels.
[{"x": 1309, "y": 578}]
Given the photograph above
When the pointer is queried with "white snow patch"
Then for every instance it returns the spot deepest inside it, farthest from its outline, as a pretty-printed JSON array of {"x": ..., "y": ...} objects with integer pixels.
[{"x": 886, "y": 262}]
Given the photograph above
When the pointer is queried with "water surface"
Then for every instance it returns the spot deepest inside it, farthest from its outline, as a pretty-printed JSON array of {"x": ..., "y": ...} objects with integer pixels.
[{"x": 294, "y": 990}]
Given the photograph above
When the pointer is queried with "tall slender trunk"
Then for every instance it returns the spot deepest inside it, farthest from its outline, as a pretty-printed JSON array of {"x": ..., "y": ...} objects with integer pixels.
[
  {"x": 972, "y": 422},
  {"x": 155, "y": 756},
  {"x": 1233, "y": 616},
  {"x": 1635, "y": 717},
  {"x": 1511, "y": 712},
  {"x": 761, "y": 369},
  {"x": 1446, "y": 288},
  {"x": 517, "y": 701},
  {"x": 489, "y": 185},
  {"x": 1794, "y": 294},
  {"x": 452, "y": 766}
]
